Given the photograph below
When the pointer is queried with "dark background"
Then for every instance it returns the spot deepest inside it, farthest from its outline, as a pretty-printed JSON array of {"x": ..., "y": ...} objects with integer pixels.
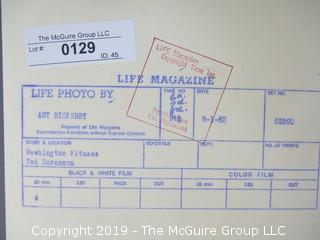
[{"x": 2, "y": 192}]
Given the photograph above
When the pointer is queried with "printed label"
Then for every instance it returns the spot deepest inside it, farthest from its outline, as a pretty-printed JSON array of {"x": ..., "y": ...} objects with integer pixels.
[{"x": 111, "y": 41}]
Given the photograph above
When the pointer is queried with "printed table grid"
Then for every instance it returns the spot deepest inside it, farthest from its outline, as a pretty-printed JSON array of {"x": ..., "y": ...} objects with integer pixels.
[{"x": 223, "y": 196}]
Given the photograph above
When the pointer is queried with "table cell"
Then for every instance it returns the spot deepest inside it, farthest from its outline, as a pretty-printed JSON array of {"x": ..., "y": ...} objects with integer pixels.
[
  {"x": 161, "y": 183},
  {"x": 248, "y": 174},
  {"x": 292, "y": 116},
  {"x": 230, "y": 155},
  {"x": 177, "y": 113},
  {"x": 41, "y": 182},
  {"x": 291, "y": 155},
  {"x": 120, "y": 183},
  {"x": 294, "y": 199},
  {"x": 106, "y": 118},
  {"x": 41, "y": 197},
  {"x": 249, "y": 184},
  {"x": 82, "y": 150},
  {"x": 104, "y": 172},
  {"x": 294, "y": 184},
  {"x": 80, "y": 182},
  {"x": 203, "y": 198},
  {"x": 120, "y": 198},
  {"x": 248, "y": 198},
  {"x": 243, "y": 111},
  {"x": 203, "y": 184},
  {"x": 160, "y": 198},
  {"x": 168, "y": 154},
  {"x": 80, "y": 197}
]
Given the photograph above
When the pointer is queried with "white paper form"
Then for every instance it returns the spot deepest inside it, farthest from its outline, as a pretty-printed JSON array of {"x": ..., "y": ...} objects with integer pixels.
[{"x": 161, "y": 119}]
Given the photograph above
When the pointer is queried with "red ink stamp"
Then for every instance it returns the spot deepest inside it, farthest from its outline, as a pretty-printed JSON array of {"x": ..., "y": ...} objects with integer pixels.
[{"x": 171, "y": 80}]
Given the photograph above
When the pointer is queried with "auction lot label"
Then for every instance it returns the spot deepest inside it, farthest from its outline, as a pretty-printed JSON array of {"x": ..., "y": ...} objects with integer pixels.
[{"x": 110, "y": 41}]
